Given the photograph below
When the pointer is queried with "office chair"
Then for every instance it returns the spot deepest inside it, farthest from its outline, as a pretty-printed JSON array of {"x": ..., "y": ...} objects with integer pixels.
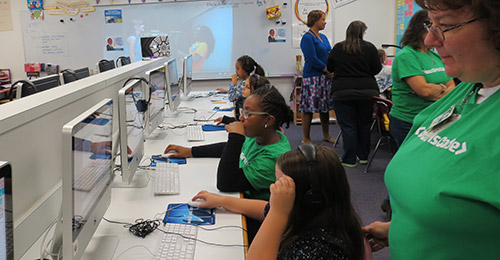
[{"x": 382, "y": 107}]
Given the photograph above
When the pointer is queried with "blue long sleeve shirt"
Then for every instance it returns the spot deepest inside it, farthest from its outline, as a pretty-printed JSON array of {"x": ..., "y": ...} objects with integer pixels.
[{"x": 315, "y": 54}]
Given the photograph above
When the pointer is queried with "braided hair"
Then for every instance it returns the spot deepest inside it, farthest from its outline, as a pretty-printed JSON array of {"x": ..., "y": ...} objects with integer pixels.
[{"x": 272, "y": 102}]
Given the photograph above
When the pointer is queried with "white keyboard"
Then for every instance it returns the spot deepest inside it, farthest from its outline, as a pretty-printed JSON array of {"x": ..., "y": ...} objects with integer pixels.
[
  {"x": 167, "y": 179},
  {"x": 91, "y": 174},
  {"x": 175, "y": 247},
  {"x": 195, "y": 133},
  {"x": 204, "y": 115}
]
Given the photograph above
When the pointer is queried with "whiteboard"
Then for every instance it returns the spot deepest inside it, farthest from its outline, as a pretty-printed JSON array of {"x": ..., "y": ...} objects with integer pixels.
[{"x": 240, "y": 26}]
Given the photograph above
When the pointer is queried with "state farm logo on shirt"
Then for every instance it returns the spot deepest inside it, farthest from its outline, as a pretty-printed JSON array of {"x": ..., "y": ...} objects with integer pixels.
[
  {"x": 434, "y": 70},
  {"x": 242, "y": 157},
  {"x": 443, "y": 142}
]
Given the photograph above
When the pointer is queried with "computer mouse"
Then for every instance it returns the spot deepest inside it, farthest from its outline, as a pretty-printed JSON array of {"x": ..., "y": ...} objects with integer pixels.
[
  {"x": 169, "y": 154},
  {"x": 196, "y": 203},
  {"x": 225, "y": 107}
]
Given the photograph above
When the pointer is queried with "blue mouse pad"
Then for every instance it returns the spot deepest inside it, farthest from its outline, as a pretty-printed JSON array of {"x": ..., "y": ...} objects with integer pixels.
[
  {"x": 213, "y": 128},
  {"x": 220, "y": 110},
  {"x": 182, "y": 213},
  {"x": 96, "y": 121}
]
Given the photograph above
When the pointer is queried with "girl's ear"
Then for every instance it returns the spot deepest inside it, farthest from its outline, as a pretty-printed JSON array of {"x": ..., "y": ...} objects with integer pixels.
[{"x": 271, "y": 120}]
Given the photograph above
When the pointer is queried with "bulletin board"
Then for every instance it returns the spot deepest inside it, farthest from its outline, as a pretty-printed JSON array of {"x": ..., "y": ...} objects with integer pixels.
[
  {"x": 404, "y": 12},
  {"x": 82, "y": 41}
]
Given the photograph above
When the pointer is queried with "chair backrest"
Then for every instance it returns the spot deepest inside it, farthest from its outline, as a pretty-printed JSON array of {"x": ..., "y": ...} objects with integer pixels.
[
  {"x": 122, "y": 61},
  {"x": 381, "y": 109},
  {"x": 5, "y": 76}
]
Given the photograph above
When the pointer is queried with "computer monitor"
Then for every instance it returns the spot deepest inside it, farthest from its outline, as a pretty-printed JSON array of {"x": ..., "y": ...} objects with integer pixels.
[
  {"x": 131, "y": 127},
  {"x": 69, "y": 75},
  {"x": 40, "y": 84},
  {"x": 105, "y": 65},
  {"x": 187, "y": 75},
  {"x": 122, "y": 61},
  {"x": 87, "y": 167},
  {"x": 173, "y": 90},
  {"x": 6, "y": 219},
  {"x": 157, "y": 89}
]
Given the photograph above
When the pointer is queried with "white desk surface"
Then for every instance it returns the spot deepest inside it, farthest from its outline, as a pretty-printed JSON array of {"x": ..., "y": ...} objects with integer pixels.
[{"x": 129, "y": 204}]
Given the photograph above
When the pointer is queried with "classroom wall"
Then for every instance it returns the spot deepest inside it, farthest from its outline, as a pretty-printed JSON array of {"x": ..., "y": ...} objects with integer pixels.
[{"x": 379, "y": 15}]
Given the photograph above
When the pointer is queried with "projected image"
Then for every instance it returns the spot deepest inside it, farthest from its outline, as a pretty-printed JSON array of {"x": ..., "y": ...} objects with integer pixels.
[{"x": 205, "y": 32}]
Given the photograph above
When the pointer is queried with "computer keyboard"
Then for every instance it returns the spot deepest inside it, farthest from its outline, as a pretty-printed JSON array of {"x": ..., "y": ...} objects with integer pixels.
[
  {"x": 195, "y": 133},
  {"x": 91, "y": 174},
  {"x": 204, "y": 115},
  {"x": 167, "y": 179},
  {"x": 175, "y": 247}
]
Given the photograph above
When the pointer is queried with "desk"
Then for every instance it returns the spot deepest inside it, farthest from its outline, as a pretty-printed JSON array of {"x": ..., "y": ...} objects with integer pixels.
[{"x": 129, "y": 204}]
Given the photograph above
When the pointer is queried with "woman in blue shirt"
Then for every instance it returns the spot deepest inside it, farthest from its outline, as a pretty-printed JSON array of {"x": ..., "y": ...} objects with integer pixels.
[{"x": 316, "y": 94}]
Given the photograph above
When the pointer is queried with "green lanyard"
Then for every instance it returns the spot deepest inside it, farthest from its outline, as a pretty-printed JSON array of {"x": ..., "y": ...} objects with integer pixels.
[{"x": 459, "y": 108}]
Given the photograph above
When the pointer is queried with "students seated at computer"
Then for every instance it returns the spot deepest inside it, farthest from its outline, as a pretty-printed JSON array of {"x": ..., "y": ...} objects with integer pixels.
[
  {"x": 296, "y": 224},
  {"x": 245, "y": 66},
  {"x": 253, "y": 146},
  {"x": 252, "y": 83}
]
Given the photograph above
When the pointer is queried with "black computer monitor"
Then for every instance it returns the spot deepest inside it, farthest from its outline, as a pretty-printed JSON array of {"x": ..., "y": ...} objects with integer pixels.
[
  {"x": 40, "y": 84},
  {"x": 122, "y": 61},
  {"x": 105, "y": 65},
  {"x": 87, "y": 166},
  {"x": 6, "y": 219},
  {"x": 69, "y": 75}
]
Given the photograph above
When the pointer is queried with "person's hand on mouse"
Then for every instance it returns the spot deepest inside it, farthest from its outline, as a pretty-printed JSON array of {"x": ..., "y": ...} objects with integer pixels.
[
  {"x": 180, "y": 151},
  {"x": 211, "y": 200}
]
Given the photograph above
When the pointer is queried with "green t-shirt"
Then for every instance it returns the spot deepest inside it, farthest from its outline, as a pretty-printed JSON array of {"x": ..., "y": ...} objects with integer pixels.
[
  {"x": 445, "y": 189},
  {"x": 410, "y": 62},
  {"x": 258, "y": 163}
]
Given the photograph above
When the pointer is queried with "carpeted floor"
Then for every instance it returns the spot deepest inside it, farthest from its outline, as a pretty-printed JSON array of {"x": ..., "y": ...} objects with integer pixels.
[{"x": 368, "y": 189}]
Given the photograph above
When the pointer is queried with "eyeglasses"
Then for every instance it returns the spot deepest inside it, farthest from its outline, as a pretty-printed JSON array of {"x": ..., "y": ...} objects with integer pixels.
[
  {"x": 439, "y": 32},
  {"x": 247, "y": 113}
]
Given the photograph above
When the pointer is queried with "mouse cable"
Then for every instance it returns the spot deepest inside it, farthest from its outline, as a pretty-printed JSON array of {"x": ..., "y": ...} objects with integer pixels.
[{"x": 136, "y": 246}]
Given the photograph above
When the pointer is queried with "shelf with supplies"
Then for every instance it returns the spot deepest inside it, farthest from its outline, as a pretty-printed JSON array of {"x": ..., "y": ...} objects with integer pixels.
[{"x": 295, "y": 101}]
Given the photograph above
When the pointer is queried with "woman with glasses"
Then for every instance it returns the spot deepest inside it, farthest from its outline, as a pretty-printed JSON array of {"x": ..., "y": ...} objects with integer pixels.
[
  {"x": 254, "y": 144},
  {"x": 444, "y": 180},
  {"x": 418, "y": 78}
]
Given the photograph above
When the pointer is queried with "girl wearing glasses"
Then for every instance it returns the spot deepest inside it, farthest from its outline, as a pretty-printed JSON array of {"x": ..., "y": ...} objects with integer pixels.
[
  {"x": 294, "y": 227},
  {"x": 252, "y": 83},
  {"x": 418, "y": 78},
  {"x": 254, "y": 144},
  {"x": 444, "y": 180}
]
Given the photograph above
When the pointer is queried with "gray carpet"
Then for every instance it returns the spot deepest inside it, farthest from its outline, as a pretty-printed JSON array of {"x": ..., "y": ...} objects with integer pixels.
[{"x": 368, "y": 189}]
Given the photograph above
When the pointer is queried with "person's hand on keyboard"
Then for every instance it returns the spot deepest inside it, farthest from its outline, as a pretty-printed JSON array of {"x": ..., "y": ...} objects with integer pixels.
[
  {"x": 236, "y": 127},
  {"x": 218, "y": 120},
  {"x": 180, "y": 151}
]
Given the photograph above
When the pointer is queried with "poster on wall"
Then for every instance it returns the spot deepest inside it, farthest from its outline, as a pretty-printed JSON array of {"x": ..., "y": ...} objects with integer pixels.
[
  {"x": 339, "y": 3},
  {"x": 5, "y": 16},
  {"x": 404, "y": 12},
  {"x": 35, "y": 4},
  {"x": 113, "y": 16},
  {"x": 299, "y": 21},
  {"x": 276, "y": 35},
  {"x": 114, "y": 43}
]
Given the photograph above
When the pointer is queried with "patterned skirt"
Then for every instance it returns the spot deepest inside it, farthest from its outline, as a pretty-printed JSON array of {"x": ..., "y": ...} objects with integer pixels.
[{"x": 316, "y": 95}]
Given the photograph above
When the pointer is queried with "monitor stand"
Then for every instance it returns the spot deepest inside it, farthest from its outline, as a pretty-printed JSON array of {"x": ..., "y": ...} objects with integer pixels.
[
  {"x": 101, "y": 247},
  {"x": 171, "y": 115},
  {"x": 186, "y": 98},
  {"x": 140, "y": 180}
]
